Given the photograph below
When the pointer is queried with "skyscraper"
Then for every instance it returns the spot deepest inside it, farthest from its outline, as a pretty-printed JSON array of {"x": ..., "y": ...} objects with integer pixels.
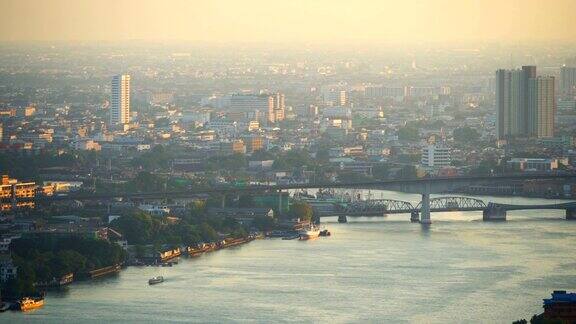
[
  {"x": 120, "y": 100},
  {"x": 503, "y": 103},
  {"x": 568, "y": 81},
  {"x": 542, "y": 106},
  {"x": 529, "y": 73},
  {"x": 279, "y": 107},
  {"x": 512, "y": 101}
]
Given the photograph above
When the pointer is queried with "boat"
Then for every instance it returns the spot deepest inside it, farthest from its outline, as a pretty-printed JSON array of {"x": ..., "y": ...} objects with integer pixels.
[
  {"x": 291, "y": 236},
  {"x": 309, "y": 233},
  {"x": 155, "y": 280},
  {"x": 4, "y": 306},
  {"x": 325, "y": 233},
  {"x": 27, "y": 303}
]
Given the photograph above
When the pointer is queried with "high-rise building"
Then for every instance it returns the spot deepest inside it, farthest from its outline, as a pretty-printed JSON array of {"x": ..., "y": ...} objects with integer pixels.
[
  {"x": 512, "y": 102},
  {"x": 269, "y": 108},
  {"x": 529, "y": 73},
  {"x": 542, "y": 108},
  {"x": 335, "y": 97},
  {"x": 120, "y": 100},
  {"x": 278, "y": 113},
  {"x": 435, "y": 156},
  {"x": 568, "y": 81},
  {"x": 503, "y": 103}
]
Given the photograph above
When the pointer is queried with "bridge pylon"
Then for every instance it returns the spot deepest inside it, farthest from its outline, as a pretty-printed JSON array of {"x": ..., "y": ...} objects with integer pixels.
[
  {"x": 425, "y": 209},
  {"x": 494, "y": 213},
  {"x": 414, "y": 216},
  {"x": 571, "y": 214}
]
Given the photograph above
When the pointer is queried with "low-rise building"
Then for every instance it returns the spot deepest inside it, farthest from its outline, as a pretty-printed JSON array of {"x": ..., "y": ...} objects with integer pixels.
[
  {"x": 7, "y": 268},
  {"x": 16, "y": 194},
  {"x": 532, "y": 164},
  {"x": 155, "y": 210}
]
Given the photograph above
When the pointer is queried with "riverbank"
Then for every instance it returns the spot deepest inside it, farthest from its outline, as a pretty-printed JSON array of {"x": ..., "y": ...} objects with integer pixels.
[
  {"x": 202, "y": 248},
  {"x": 458, "y": 270},
  {"x": 164, "y": 258}
]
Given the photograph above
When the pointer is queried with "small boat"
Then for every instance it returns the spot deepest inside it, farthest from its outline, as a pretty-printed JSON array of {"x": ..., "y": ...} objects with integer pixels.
[
  {"x": 325, "y": 233},
  {"x": 156, "y": 280},
  {"x": 28, "y": 303},
  {"x": 5, "y": 306},
  {"x": 309, "y": 233},
  {"x": 291, "y": 237}
]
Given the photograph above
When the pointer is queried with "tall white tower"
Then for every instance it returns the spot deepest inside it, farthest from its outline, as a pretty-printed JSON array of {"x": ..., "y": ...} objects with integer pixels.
[{"x": 120, "y": 100}]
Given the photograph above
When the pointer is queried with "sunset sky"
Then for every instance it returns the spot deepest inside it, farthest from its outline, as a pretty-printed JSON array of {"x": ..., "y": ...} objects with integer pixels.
[{"x": 325, "y": 21}]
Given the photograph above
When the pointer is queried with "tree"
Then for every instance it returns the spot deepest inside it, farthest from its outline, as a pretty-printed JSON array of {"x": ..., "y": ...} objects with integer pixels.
[
  {"x": 261, "y": 155},
  {"x": 197, "y": 208},
  {"x": 146, "y": 181},
  {"x": 264, "y": 223},
  {"x": 408, "y": 133},
  {"x": 246, "y": 201},
  {"x": 301, "y": 210},
  {"x": 189, "y": 234},
  {"x": 465, "y": 134},
  {"x": 208, "y": 233},
  {"x": 137, "y": 227}
]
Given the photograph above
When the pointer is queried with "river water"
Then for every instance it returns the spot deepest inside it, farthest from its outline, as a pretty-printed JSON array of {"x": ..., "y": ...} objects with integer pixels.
[{"x": 372, "y": 269}]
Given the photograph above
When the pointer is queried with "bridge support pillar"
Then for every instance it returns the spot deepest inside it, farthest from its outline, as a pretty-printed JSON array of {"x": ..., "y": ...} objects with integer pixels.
[
  {"x": 342, "y": 219},
  {"x": 425, "y": 209},
  {"x": 279, "y": 202},
  {"x": 571, "y": 214},
  {"x": 414, "y": 216},
  {"x": 223, "y": 200},
  {"x": 494, "y": 214}
]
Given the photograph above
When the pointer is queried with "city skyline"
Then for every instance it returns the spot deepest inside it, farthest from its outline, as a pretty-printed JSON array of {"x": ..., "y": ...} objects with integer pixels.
[{"x": 309, "y": 161}]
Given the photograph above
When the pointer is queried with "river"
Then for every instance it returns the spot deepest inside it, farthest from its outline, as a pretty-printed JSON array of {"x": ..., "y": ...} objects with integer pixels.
[{"x": 372, "y": 269}]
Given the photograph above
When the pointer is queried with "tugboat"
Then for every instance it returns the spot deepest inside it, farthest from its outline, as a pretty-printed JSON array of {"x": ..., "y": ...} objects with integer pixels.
[
  {"x": 325, "y": 233},
  {"x": 156, "y": 280},
  {"x": 27, "y": 303},
  {"x": 309, "y": 233}
]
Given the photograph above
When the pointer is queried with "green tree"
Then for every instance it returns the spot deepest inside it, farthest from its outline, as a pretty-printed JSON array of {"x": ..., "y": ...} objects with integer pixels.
[
  {"x": 208, "y": 233},
  {"x": 301, "y": 210},
  {"x": 246, "y": 201},
  {"x": 264, "y": 223},
  {"x": 466, "y": 134},
  {"x": 408, "y": 133},
  {"x": 137, "y": 227}
]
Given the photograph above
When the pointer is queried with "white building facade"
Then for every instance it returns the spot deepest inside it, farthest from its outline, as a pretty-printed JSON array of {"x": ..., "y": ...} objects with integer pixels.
[
  {"x": 120, "y": 100},
  {"x": 435, "y": 156}
]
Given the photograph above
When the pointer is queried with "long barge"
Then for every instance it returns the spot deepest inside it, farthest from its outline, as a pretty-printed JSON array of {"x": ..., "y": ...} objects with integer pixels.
[
  {"x": 209, "y": 247},
  {"x": 104, "y": 271}
]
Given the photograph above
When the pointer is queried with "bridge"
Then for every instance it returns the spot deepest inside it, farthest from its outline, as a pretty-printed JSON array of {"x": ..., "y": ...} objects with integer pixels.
[
  {"x": 422, "y": 186},
  {"x": 491, "y": 211}
]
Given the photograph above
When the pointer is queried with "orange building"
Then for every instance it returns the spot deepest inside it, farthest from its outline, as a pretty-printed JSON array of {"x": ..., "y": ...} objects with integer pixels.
[
  {"x": 16, "y": 194},
  {"x": 253, "y": 143}
]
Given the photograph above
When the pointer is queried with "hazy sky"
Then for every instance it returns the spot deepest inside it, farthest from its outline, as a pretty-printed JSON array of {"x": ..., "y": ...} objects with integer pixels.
[{"x": 326, "y": 21}]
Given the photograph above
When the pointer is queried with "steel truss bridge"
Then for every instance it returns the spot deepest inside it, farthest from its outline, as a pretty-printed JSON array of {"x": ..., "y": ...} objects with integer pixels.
[
  {"x": 422, "y": 186},
  {"x": 382, "y": 207}
]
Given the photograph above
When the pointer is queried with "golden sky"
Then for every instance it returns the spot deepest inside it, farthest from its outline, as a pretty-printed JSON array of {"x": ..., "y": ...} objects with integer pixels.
[{"x": 284, "y": 21}]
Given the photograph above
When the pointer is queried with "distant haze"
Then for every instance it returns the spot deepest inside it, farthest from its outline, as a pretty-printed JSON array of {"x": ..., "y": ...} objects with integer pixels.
[{"x": 324, "y": 21}]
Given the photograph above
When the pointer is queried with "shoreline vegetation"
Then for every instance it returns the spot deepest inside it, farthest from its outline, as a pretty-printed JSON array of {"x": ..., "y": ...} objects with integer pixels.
[{"x": 47, "y": 260}]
